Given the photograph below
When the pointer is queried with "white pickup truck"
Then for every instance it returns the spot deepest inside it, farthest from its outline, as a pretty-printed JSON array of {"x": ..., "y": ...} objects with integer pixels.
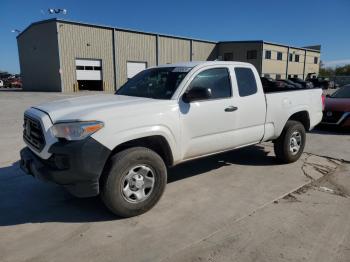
[{"x": 120, "y": 145}]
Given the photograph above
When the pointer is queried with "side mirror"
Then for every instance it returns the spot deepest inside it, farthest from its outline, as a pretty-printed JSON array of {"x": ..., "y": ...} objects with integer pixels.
[{"x": 196, "y": 94}]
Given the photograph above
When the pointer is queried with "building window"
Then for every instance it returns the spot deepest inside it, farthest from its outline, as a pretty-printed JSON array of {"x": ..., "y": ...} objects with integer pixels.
[
  {"x": 315, "y": 60},
  {"x": 266, "y": 75},
  {"x": 279, "y": 55},
  {"x": 217, "y": 79},
  {"x": 228, "y": 57},
  {"x": 289, "y": 76},
  {"x": 296, "y": 58},
  {"x": 290, "y": 57},
  {"x": 80, "y": 67},
  {"x": 295, "y": 76},
  {"x": 245, "y": 81},
  {"x": 267, "y": 54},
  {"x": 89, "y": 68},
  {"x": 252, "y": 54},
  {"x": 278, "y": 76}
]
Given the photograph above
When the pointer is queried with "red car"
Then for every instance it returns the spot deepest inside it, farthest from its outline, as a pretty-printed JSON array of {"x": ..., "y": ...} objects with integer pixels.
[{"x": 337, "y": 108}]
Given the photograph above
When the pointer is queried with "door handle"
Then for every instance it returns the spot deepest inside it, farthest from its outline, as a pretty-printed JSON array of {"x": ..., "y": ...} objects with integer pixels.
[{"x": 231, "y": 109}]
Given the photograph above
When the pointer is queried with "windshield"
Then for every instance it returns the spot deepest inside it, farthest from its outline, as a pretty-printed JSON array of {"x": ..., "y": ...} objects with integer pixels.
[
  {"x": 343, "y": 92},
  {"x": 157, "y": 83}
]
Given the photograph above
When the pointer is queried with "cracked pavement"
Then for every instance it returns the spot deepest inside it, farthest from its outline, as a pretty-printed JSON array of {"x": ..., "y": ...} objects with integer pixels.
[{"x": 237, "y": 206}]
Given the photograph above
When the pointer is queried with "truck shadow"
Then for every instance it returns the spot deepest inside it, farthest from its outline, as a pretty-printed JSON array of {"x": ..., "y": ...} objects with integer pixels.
[
  {"x": 28, "y": 200},
  {"x": 248, "y": 156},
  {"x": 331, "y": 130}
]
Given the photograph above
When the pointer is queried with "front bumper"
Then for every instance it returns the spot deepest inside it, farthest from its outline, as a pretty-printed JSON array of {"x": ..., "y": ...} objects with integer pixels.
[{"x": 77, "y": 165}]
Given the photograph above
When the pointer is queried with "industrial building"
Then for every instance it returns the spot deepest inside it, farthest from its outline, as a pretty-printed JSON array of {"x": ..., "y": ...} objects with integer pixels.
[{"x": 65, "y": 56}]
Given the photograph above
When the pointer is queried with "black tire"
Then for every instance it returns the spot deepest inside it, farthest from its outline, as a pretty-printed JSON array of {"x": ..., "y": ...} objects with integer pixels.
[
  {"x": 282, "y": 145},
  {"x": 115, "y": 177}
]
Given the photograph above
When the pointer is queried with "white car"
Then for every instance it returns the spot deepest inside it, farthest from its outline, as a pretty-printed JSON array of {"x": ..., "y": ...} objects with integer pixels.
[
  {"x": 1, "y": 83},
  {"x": 121, "y": 145}
]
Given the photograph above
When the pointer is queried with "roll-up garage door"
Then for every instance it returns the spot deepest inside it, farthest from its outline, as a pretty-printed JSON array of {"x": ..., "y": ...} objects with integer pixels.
[
  {"x": 88, "y": 69},
  {"x": 89, "y": 74}
]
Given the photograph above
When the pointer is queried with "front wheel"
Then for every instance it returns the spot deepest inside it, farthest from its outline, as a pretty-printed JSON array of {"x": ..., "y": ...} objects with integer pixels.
[
  {"x": 134, "y": 181},
  {"x": 290, "y": 145}
]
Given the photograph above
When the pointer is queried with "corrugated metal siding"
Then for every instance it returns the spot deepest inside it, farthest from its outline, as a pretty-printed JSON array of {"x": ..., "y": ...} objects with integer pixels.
[
  {"x": 202, "y": 51},
  {"x": 239, "y": 51},
  {"x": 134, "y": 47},
  {"x": 38, "y": 56},
  {"x": 78, "y": 41},
  {"x": 172, "y": 50}
]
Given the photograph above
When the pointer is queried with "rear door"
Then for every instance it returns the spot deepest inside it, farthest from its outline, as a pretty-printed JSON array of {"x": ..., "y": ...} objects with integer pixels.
[{"x": 251, "y": 105}]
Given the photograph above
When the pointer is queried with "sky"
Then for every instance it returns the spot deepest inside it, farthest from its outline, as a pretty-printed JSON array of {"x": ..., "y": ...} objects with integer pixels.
[{"x": 296, "y": 23}]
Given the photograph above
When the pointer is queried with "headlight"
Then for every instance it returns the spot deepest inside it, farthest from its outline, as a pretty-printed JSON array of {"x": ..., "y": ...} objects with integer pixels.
[{"x": 76, "y": 130}]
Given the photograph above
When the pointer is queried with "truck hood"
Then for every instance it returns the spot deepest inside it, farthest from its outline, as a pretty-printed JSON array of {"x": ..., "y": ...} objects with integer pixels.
[{"x": 85, "y": 107}]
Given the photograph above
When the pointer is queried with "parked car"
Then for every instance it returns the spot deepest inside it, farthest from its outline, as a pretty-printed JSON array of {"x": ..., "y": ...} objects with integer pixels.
[
  {"x": 337, "y": 108},
  {"x": 1, "y": 83},
  {"x": 271, "y": 85},
  {"x": 15, "y": 83},
  {"x": 291, "y": 83},
  {"x": 120, "y": 145},
  {"x": 304, "y": 84},
  {"x": 321, "y": 82}
]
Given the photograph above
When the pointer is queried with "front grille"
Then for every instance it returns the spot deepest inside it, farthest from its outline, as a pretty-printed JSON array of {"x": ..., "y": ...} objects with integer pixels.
[
  {"x": 332, "y": 116},
  {"x": 33, "y": 133}
]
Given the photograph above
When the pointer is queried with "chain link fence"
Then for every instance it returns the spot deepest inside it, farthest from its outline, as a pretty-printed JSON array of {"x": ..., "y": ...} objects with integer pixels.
[{"x": 341, "y": 80}]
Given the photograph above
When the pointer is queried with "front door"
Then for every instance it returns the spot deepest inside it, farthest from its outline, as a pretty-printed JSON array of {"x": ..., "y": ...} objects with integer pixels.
[{"x": 208, "y": 125}]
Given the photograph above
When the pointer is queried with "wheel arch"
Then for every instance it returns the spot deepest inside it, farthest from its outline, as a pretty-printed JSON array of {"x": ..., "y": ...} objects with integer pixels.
[{"x": 303, "y": 117}]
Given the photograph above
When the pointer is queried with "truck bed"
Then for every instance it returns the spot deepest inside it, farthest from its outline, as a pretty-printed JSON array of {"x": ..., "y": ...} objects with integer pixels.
[{"x": 281, "y": 105}]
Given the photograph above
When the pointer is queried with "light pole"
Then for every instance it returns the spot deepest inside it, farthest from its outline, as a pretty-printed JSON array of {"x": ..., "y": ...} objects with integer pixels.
[
  {"x": 16, "y": 31},
  {"x": 57, "y": 11}
]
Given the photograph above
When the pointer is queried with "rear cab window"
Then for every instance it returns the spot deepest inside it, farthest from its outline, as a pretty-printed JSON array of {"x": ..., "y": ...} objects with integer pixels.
[{"x": 246, "y": 81}]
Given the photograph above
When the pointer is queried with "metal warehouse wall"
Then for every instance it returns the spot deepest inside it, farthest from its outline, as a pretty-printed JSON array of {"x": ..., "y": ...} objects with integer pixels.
[
  {"x": 173, "y": 50},
  {"x": 81, "y": 41},
  {"x": 296, "y": 68},
  {"x": 38, "y": 56},
  {"x": 239, "y": 51},
  {"x": 310, "y": 66},
  {"x": 134, "y": 47},
  {"x": 273, "y": 66},
  {"x": 203, "y": 51}
]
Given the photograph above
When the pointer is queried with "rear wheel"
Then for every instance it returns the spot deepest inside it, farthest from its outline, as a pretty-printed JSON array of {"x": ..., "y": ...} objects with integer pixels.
[
  {"x": 290, "y": 145},
  {"x": 134, "y": 182}
]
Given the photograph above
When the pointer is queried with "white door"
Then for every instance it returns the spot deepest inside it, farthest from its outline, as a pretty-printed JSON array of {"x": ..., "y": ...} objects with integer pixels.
[
  {"x": 208, "y": 125},
  {"x": 251, "y": 104},
  {"x": 133, "y": 68},
  {"x": 88, "y": 69}
]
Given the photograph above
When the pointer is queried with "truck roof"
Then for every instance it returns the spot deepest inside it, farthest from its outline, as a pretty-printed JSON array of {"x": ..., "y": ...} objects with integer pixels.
[{"x": 203, "y": 63}]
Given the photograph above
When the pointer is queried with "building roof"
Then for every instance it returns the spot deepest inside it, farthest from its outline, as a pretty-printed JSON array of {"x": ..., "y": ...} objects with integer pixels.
[
  {"x": 309, "y": 48},
  {"x": 111, "y": 27}
]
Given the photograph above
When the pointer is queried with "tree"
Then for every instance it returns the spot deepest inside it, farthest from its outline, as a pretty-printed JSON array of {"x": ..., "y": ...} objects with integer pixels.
[{"x": 325, "y": 71}]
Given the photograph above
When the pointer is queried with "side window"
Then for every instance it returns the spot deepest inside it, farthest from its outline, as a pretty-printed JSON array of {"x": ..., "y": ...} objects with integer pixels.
[
  {"x": 290, "y": 57},
  {"x": 279, "y": 55},
  {"x": 245, "y": 81},
  {"x": 252, "y": 54},
  {"x": 267, "y": 54},
  {"x": 228, "y": 57},
  {"x": 296, "y": 58},
  {"x": 217, "y": 79}
]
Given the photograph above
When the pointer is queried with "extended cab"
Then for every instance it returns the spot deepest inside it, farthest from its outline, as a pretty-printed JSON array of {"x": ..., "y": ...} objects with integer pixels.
[{"x": 120, "y": 145}]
